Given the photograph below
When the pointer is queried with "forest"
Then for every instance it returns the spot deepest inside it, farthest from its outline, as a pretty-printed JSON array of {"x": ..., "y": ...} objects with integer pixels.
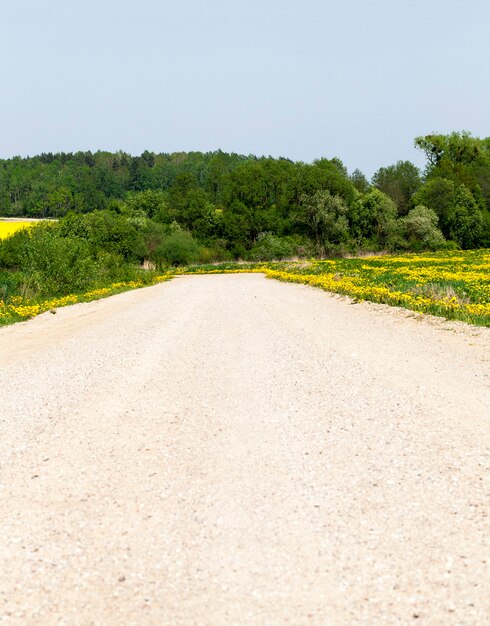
[
  {"x": 109, "y": 218},
  {"x": 182, "y": 207}
]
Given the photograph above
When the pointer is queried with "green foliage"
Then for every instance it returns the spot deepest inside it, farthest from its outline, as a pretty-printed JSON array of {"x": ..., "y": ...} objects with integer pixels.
[
  {"x": 54, "y": 264},
  {"x": 269, "y": 247},
  {"x": 465, "y": 221},
  {"x": 421, "y": 229},
  {"x": 12, "y": 249},
  {"x": 107, "y": 231},
  {"x": 10, "y": 284},
  {"x": 54, "y": 259},
  {"x": 455, "y": 148},
  {"x": 176, "y": 248},
  {"x": 58, "y": 202},
  {"x": 359, "y": 181},
  {"x": 124, "y": 205},
  {"x": 399, "y": 182},
  {"x": 373, "y": 220},
  {"x": 325, "y": 217},
  {"x": 437, "y": 194},
  {"x": 152, "y": 203},
  {"x": 461, "y": 158},
  {"x": 241, "y": 224}
]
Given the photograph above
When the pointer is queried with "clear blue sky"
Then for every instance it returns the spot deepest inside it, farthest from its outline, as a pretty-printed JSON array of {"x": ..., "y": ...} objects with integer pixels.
[{"x": 357, "y": 79}]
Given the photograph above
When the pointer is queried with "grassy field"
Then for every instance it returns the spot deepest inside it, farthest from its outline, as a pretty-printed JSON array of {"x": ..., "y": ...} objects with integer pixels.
[
  {"x": 9, "y": 227},
  {"x": 455, "y": 285}
]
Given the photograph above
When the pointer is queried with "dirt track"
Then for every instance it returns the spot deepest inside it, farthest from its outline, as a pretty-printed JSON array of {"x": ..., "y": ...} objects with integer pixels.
[{"x": 228, "y": 450}]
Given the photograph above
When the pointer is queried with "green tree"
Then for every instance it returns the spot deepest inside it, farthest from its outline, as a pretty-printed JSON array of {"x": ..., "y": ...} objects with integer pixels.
[
  {"x": 57, "y": 265},
  {"x": 57, "y": 203},
  {"x": 105, "y": 230},
  {"x": 240, "y": 227},
  {"x": 465, "y": 221},
  {"x": 325, "y": 217},
  {"x": 461, "y": 158},
  {"x": 359, "y": 181},
  {"x": 437, "y": 194},
  {"x": 456, "y": 148},
  {"x": 152, "y": 202},
  {"x": 399, "y": 182},
  {"x": 372, "y": 220},
  {"x": 421, "y": 229}
]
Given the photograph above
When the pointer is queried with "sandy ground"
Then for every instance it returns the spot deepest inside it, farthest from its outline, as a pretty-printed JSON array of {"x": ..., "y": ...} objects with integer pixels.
[{"x": 230, "y": 450}]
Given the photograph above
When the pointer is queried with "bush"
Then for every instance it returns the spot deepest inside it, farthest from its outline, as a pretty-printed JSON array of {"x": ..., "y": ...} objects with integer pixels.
[
  {"x": 10, "y": 284},
  {"x": 11, "y": 249},
  {"x": 269, "y": 247},
  {"x": 177, "y": 248},
  {"x": 49, "y": 263},
  {"x": 58, "y": 265},
  {"x": 373, "y": 220},
  {"x": 421, "y": 231},
  {"x": 303, "y": 247},
  {"x": 215, "y": 251},
  {"x": 105, "y": 230}
]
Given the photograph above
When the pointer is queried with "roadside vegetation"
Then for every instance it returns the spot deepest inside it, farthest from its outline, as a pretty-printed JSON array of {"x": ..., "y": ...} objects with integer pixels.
[
  {"x": 111, "y": 215},
  {"x": 451, "y": 285}
]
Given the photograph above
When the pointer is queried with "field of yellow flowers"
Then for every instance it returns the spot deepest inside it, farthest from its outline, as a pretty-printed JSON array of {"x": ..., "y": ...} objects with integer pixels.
[{"x": 8, "y": 228}]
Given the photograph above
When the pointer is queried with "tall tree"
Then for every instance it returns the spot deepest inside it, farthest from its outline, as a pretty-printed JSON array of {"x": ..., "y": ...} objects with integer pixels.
[
  {"x": 465, "y": 221},
  {"x": 359, "y": 181},
  {"x": 325, "y": 217},
  {"x": 400, "y": 182}
]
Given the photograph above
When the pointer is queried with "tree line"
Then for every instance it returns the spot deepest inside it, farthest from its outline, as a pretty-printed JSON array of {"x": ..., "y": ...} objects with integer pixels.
[{"x": 215, "y": 206}]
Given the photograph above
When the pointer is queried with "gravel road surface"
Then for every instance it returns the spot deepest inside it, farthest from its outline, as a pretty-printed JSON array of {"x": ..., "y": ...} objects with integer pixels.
[{"x": 230, "y": 450}]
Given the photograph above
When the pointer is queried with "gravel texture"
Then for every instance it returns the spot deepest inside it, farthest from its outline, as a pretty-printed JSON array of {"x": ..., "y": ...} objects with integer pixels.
[{"x": 230, "y": 450}]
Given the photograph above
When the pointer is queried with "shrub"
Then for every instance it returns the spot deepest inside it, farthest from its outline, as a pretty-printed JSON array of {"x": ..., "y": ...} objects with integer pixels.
[
  {"x": 105, "y": 230},
  {"x": 421, "y": 231},
  {"x": 59, "y": 265},
  {"x": 373, "y": 220},
  {"x": 11, "y": 249},
  {"x": 49, "y": 263},
  {"x": 177, "y": 248},
  {"x": 215, "y": 251},
  {"x": 269, "y": 247}
]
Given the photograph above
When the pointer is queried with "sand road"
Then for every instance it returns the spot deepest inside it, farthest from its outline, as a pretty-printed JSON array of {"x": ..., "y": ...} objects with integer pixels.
[{"x": 230, "y": 450}]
